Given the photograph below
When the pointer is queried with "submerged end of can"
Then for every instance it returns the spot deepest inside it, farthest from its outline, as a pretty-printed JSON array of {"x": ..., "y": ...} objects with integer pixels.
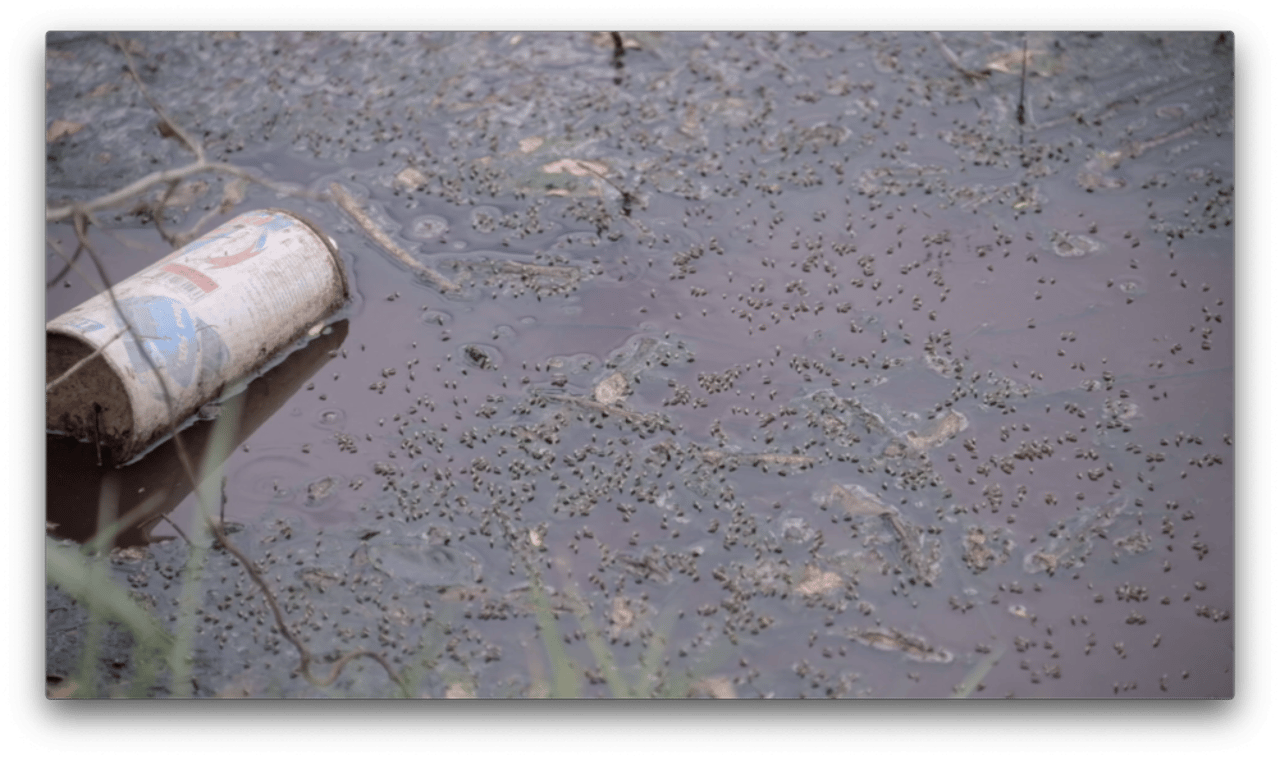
[{"x": 91, "y": 404}]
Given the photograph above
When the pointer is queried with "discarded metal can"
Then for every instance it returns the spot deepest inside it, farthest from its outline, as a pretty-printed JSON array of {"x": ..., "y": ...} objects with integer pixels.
[{"x": 206, "y": 316}]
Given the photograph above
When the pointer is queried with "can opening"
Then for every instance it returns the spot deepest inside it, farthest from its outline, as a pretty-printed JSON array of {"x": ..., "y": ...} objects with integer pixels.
[{"x": 69, "y": 407}]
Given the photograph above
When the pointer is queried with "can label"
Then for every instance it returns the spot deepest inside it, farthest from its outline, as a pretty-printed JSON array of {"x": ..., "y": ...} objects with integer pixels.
[{"x": 173, "y": 338}]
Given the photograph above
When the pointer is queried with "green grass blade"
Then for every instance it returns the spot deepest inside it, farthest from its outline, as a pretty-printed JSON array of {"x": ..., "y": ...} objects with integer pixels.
[
  {"x": 564, "y": 680},
  {"x": 84, "y": 579},
  {"x": 978, "y": 672},
  {"x": 72, "y": 572},
  {"x": 209, "y": 493},
  {"x": 651, "y": 660},
  {"x": 600, "y": 650}
]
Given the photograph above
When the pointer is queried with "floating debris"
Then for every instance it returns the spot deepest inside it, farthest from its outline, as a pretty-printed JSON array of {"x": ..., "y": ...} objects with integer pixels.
[
  {"x": 428, "y": 227},
  {"x": 1036, "y": 61},
  {"x": 351, "y": 206},
  {"x": 1019, "y": 610},
  {"x": 943, "y": 429},
  {"x": 919, "y": 555},
  {"x": 899, "y": 180},
  {"x": 1072, "y": 543},
  {"x": 321, "y": 490},
  {"x": 717, "y": 687},
  {"x": 980, "y": 551},
  {"x": 922, "y": 556},
  {"x": 736, "y": 459},
  {"x": 651, "y": 566},
  {"x": 61, "y": 128},
  {"x": 517, "y": 277},
  {"x": 893, "y": 640},
  {"x": 410, "y": 178},
  {"x": 843, "y": 420},
  {"x": 817, "y": 582},
  {"x": 1096, "y": 172},
  {"x": 857, "y": 501},
  {"x": 481, "y": 356},
  {"x": 648, "y": 422},
  {"x": 319, "y": 578},
  {"x": 642, "y": 353},
  {"x": 419, "y": 563},
  {"x": 612, "y": 389},
  {"x": 1069, "y": 246}
]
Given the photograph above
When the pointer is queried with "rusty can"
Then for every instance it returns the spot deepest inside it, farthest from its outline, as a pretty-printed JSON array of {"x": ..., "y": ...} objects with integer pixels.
[{"x": 207, "y": 316}]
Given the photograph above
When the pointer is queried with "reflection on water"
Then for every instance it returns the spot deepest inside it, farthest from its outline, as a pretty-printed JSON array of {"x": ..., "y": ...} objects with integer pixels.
[{"x": 817, "y": 364}]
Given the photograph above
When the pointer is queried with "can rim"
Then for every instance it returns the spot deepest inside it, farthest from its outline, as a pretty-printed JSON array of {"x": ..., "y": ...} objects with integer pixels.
[{"x": 329, "y": 244}]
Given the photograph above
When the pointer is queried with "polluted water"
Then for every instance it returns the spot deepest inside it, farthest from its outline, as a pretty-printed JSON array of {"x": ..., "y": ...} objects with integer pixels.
[{"x": 724, "y": 365}]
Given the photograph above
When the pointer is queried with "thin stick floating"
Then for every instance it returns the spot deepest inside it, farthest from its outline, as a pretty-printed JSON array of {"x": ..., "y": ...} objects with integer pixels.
[{"x": 352, "y": 207}]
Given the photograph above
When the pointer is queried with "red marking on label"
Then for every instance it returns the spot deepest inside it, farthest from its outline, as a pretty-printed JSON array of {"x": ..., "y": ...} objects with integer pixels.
[
  {"x": 200, "y": 279},
  {"x": 223, "y": 262}
]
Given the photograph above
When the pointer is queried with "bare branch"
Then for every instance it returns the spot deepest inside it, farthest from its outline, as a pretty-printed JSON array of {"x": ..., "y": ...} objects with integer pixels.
[
  {"x": 157, "y": 214},
  {"x": 63, "y": 213},
  {"x": 191, "y": 143},
  {"x": 67, "y": 266}
]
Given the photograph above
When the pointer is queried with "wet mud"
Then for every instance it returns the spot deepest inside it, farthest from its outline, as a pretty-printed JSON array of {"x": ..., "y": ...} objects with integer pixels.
[{"x": 783, "y": 365}]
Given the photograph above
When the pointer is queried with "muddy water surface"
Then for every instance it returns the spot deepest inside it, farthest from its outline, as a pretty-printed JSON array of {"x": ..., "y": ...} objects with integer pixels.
[{"x": 811, "y": 364}]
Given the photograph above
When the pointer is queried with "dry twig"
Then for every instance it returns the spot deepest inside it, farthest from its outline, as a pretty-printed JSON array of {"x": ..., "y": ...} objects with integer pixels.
[
  {"x": 954, "y": 59},
  {"x": 172, "y": 177},
  {"x": 635, "y": 418},
  {"x": 351, "y": 206}
]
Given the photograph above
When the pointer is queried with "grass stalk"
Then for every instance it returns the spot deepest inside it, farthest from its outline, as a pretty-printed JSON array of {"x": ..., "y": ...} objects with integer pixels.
[
  {"x": 600, "y": 650},
  {"x": 81, "y": 578},
  {"x": 978, "y": 672},
  {"x": 564, "y": 679},
  {"x": 209, "y": 488}
]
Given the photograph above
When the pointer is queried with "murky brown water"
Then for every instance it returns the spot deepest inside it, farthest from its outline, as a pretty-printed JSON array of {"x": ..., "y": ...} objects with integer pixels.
[{"x": 803, "y": 351}]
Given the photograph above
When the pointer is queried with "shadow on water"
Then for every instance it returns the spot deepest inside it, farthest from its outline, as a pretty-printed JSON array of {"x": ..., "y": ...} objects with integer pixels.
[{"x": 153, "y": 486}]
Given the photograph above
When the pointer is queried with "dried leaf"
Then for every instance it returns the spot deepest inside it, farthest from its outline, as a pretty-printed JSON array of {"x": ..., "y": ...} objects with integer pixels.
[
  {"x": 134, "y": 47},
  {"x": 460, "y": 691},
  {"x": 186, "y": 194},
  {"x": 61, "y": 128},
  {"x": 612, "y": 388},
  {"x": 233, "y": 194},
  {"x": 716, "y": 687},
  {"x": 577, "y": 167},
  {"x": 1010, "y": 62},
  {"x": 410, "y": 178},
  {"x": 818, "y": 582}
]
